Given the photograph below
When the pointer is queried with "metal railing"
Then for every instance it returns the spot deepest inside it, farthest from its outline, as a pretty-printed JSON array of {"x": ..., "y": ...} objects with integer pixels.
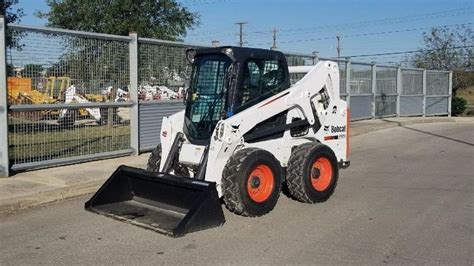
[
  {"x": 37, "y": 138},
  {"x": 68, "y": 96},
  {"x": 376, "y": 91}
]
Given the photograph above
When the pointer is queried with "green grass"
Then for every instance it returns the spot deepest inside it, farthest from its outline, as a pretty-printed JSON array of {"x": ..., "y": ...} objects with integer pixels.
[
  {"x": 467, "y": 94},
  {"x": 469, "y": 111},
  {"x": 30, "y": 142}
]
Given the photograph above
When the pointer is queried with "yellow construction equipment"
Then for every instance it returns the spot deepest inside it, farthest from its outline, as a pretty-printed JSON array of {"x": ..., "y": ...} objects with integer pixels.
[
  {"x": 20, "y": 91},
  {"x": 17, "y": 85},
  {"x": 55, "y": 86}
]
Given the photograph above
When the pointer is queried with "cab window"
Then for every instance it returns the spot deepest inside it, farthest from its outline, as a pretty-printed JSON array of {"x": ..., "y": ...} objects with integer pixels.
[{"x": 261, "y": 79}]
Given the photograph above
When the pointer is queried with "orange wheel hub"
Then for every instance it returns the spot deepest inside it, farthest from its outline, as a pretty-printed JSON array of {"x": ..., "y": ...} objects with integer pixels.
[
  {"x": 260, "y": 183},
  {"x": 321, "y": 174}
]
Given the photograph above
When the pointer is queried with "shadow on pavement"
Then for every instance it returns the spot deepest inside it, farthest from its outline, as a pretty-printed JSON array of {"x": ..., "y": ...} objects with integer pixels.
[{"x": 430, "y": 133}]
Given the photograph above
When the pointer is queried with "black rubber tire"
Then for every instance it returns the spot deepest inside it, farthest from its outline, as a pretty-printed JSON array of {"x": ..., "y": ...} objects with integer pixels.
[
  {"x": 235, "y": 177},
  {"x": 299, "y": 168},
  {"x": 154, "y": 163},
  {"x": 154, "y": 160}
]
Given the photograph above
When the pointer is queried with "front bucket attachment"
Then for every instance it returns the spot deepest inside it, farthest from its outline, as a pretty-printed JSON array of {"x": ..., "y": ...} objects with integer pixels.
[{"x": 163, "y": 203}]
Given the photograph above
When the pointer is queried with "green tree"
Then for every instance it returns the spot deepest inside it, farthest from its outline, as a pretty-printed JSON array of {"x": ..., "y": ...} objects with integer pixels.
[
  {"x": 449, "y": 49},
  {"x": 11, "y": 15},
  {"x": 163, "y": 19},
  {"x": 32, "y": 70}
]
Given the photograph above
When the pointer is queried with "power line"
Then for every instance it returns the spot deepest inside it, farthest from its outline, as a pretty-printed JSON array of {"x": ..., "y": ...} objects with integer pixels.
[
  {"x": 387, "y": 21},
  {"x": 200, "y": 2},
  {"x": 410, "y": 52},
  {"x": 366, "y": 34},
  {"x": 418, "y": 60}
]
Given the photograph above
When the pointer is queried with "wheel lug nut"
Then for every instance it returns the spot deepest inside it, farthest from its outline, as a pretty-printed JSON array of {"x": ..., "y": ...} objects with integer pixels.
[
  {"x": 315, "y": 173},
  {"x": 255, "y": 182}
]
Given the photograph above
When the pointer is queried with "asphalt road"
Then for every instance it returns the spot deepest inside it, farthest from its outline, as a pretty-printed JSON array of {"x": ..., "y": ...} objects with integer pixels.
[{"x": 406, "y": 199}]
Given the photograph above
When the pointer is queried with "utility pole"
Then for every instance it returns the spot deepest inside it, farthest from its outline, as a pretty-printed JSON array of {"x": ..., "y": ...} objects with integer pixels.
[
  {"x": 241, "y": 33},
  {"x": 274, "y": 47},
  {"x": 338, "y": 46},
  {"x": 315, "y": 57}
]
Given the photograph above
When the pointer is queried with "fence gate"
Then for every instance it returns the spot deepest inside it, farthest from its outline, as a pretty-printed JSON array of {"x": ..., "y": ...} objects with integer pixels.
[
  {"x": 411, "y": 95},
  {"x": 360, "y": 92},
  {"x": 69, "y": 96},
  {"x": 386, "y": 91},
  {"x": 162, "y": 75},
  {"x": 438, "y": 93}
]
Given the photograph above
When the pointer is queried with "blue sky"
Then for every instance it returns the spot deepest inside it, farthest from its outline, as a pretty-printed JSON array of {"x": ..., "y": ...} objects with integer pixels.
[{"x": 312, "y": 25}]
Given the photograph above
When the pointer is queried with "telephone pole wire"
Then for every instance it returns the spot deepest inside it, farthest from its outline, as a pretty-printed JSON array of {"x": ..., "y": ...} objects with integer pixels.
[{"x": 241, "y": 32}]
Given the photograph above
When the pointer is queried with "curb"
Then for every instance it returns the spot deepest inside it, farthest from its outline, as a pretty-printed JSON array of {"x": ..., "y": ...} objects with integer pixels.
[
  {"x": 49, "y": 196},
  {"x": 388, "y": 123},
  {"x": 14, "y": 204}
]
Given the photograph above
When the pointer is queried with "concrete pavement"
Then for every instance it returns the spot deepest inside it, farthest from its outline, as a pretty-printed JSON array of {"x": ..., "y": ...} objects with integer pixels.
[
  {"x": 33, "y": 188},
  {"x": 406, "y": 199}
]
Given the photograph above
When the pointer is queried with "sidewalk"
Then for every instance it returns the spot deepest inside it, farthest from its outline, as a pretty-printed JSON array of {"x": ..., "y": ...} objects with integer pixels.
[
  {"x": 34, "y": 188},
  {"x": 366, "y": 126}
]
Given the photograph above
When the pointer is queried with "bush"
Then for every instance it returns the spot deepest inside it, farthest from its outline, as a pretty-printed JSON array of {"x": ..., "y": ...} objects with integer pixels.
[{"x": 458, "y": 105}]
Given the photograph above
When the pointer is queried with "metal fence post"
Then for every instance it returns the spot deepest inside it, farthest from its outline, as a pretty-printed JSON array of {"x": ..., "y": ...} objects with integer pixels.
[
  {"x": 374, "y": 88},
  {"x": 424, "y": 92},
  {"x": 450, "y": 91},
  {"x": 134, "y": 142},
  {"x": 399, "y": 88},
  {"x": 4, "y": 162},
  {"x": 348, "y": 82}
]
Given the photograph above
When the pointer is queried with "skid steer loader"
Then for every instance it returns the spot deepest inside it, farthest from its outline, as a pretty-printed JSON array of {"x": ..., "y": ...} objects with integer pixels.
[{"x": 245, "y": 132}]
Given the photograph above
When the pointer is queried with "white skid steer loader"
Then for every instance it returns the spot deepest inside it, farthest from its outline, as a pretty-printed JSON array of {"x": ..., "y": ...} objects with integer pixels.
[{"x": 245, "y": 132}]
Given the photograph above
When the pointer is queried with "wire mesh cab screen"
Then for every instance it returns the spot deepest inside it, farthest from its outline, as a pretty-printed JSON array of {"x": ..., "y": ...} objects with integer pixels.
[{"x": 208, "y": 94}]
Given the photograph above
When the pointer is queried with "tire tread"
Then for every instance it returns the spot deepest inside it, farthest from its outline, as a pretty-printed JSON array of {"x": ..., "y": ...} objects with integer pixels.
[
  {"x": 294, "y": 179},
  {"x": 154, "y": 160},
  {"x": 230, "y": 182},
  {"x": 296, "y": 174}
]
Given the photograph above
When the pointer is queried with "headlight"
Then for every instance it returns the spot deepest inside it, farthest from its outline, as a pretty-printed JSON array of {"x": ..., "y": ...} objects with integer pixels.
[{"x": 228, "y": 51}]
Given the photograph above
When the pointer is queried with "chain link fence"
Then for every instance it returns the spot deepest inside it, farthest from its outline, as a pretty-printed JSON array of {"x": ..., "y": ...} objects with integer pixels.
[
  {"x": 34, "y": 139},
  {"x": 299, "y": 60},
  {"x": 73, "y": 96},
  {"x": 68, "y": 96},
  {"x": 411, "y": 95},
  {"x": 437, "y": 92},
  {"x": 342, "y": 64},
  {"x": 360, "y": 93},
  {"x": 386, "y": 91},
  {"x": 163, "y": 73},
  {"x": 44, "y": 65}
]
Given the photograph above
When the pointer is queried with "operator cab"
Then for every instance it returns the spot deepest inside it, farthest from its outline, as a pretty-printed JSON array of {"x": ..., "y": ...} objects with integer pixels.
[{"x": 228, "y": 80}]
